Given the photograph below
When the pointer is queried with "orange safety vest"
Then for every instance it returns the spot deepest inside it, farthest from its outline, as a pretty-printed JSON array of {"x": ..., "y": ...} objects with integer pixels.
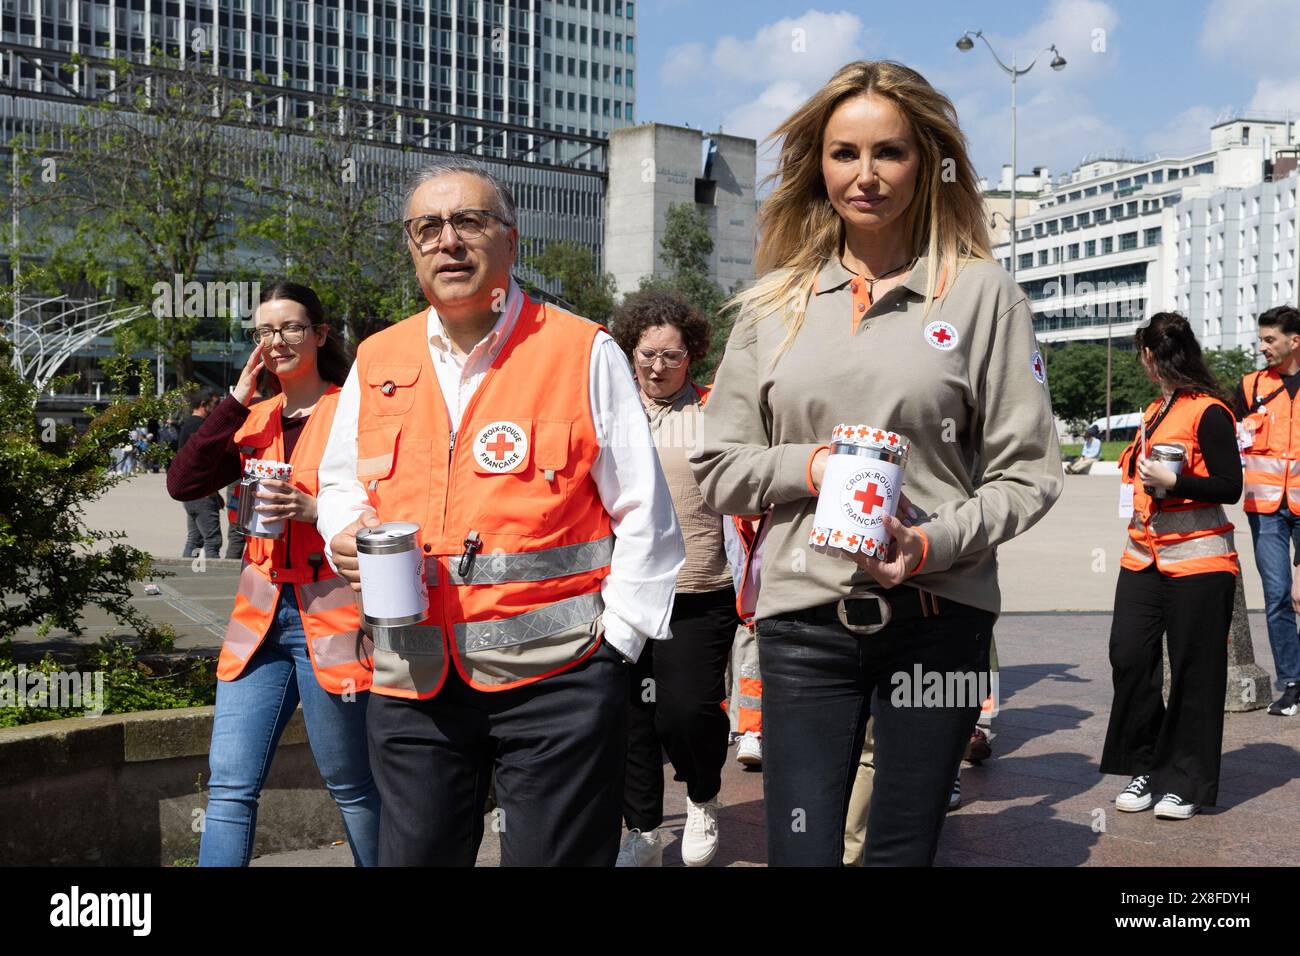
[
  {"x": 331, "y": 620},
  {"x": 749, "y": 709},
  {"x": 1273, "y": 460},
  {"x": 516, "y": 539},
  {"x": 1182, "y": 536}
]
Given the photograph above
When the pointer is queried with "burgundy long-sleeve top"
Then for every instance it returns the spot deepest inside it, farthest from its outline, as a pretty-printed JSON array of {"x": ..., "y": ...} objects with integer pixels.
[{"x": 209, "y": 459}]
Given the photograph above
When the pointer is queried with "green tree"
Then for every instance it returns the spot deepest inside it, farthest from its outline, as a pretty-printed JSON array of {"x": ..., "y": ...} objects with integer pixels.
[
  {"x": 51, "y": 565},
  {"x": 685, "y": 249},
  {"x": 1229, "y": 365},
  {"x": 591, "y": 293},
  {"x": 138, "y": 190},
  {"x": 324, "y": 217},
  {"x": 1077, "y": 376}
]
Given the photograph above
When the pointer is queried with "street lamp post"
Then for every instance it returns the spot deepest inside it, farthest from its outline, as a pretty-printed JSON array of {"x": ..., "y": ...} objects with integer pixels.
[{"x": 1058, "y": 64}]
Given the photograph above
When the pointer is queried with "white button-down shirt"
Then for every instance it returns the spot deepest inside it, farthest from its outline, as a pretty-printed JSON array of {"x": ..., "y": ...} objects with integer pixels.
[{"x": 648, "y": 547}]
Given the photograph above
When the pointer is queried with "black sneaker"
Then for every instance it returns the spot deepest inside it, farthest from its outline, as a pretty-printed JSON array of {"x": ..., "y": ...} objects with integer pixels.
[
  {"x": 1174, "y": 807},
  {"x": 1136, "y": 796},
  {"x": 1288, "y": 705}
]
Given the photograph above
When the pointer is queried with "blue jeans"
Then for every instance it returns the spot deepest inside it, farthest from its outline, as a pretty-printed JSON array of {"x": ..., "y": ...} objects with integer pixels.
[
  {"x": 251, "y": 714},
  {"x": 1273, "y": 535}
]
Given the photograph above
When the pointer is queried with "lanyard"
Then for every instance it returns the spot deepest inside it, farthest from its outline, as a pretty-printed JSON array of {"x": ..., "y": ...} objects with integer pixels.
[{"x": 1148, "y": 431}]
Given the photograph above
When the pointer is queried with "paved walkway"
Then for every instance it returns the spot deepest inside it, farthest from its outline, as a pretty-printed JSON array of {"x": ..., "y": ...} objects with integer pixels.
[{"x": 1039, "y": 801}]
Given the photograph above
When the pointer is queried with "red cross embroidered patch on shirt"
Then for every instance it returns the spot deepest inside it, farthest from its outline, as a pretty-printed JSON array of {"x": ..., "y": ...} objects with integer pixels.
[
  {"x": 1037, "y": 367},
  {"x": 941, "y": 336}
]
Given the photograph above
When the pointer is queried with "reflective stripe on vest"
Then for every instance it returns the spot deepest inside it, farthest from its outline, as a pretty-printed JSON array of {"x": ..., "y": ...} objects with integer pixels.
[
  {"x": 1209, "y": 528},
  {"x": 1263, "y": 481},
  {"x": 1182, "y": 536},
  {"x": 544, "y": 539},
  {"x": 255, "y": 590},
  {"x": 327, "y": 606},
  {"x": 475, "y": 636},
  {"x": 500, "y": 567},
  {"x": 1270, "y": 463}
]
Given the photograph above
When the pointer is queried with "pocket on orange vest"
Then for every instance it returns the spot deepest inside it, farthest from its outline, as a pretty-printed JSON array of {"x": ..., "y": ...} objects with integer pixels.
[
  {"x": 528, "y": 490},
  {"x": 376, "y": 452},
  {"x": 390, "y": 389}
]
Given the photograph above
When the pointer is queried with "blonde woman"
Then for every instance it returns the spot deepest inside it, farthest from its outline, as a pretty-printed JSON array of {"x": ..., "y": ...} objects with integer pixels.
[{"x": 878, "y": 302}]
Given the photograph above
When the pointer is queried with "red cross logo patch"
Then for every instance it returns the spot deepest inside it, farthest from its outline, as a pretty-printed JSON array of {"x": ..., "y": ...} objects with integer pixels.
[
  {"x": 500, "y": 448},
  {"x": 941, "y": 335},
  {"x": 1037, "y": 367}
]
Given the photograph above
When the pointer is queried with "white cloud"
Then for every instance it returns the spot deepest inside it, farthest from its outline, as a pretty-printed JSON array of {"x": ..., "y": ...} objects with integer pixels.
[
  {"x": 1187, "y": 132},
  {"x": 759, "y": 117},
  {"x": 1277, "y": 95},
  {"x": 1262, "y": 35},
  {"x": 805, "y": 48},
  {"x": 1058, "y": 120},
  {"x": 684, "y": 65}
]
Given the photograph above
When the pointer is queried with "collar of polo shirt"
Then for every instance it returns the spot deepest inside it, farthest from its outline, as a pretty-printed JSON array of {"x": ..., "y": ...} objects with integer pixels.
[{"x": 834, "y": 276}]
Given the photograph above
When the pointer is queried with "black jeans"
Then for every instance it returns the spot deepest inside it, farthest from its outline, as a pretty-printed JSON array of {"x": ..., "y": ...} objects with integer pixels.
[
  {"x": 820, "y": 682},
  {"x": 557, "y": 746},
  {"x": 203, "y": 527},
  {"x": 1179, "y": 745},
  {"x": 675, "y": 704}
]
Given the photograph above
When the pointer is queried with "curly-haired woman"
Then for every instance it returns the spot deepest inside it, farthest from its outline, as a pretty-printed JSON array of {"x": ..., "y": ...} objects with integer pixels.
[{"x": 678, "y": 686}]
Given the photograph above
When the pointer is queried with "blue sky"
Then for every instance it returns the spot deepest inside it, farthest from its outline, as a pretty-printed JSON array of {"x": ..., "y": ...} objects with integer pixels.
[{"x": 1168, "y": 68}]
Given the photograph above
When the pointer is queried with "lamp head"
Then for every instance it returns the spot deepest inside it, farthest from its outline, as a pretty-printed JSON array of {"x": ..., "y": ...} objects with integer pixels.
[
  {"x": 965, "y": 43},
  {"x": 1058, "y": 61}
]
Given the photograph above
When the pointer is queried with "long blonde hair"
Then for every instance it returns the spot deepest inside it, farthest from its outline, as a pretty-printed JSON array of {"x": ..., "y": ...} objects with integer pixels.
[{"x": 800, "y": 229}]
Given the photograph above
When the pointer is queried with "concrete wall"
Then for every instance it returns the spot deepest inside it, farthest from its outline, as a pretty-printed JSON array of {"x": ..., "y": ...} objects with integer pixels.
[
  {"x": 122, "y": 790},
  {"x": 655, "y": 166}
]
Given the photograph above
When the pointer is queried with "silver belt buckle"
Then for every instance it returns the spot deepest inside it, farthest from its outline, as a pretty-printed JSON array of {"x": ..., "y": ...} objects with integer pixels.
[{"x": 886, "y": 613}]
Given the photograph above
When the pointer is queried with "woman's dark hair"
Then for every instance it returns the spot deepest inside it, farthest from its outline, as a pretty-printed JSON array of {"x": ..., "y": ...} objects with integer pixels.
[
  {"x": 332, "y": 359},
  {"x": 652, "y": 307},
  {"x": 1179, "y": 362}
]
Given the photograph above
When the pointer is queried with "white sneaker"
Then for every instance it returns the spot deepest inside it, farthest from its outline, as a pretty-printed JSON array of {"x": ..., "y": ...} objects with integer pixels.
[
  {"x": 641, "y": 849},
  {"x": 750, "y": 750},
  {"x": 700, "y": 836},
  {"x": 1136, "y": 796},
  {"x": 1174, "y": 807}
]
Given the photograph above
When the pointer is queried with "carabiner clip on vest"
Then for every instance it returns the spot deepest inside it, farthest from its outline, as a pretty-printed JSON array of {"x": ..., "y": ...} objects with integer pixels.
[{"x": 473, "y": 544}]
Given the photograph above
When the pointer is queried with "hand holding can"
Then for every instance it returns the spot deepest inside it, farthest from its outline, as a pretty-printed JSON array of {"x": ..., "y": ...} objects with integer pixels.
[{"x": 861, "y": 485}]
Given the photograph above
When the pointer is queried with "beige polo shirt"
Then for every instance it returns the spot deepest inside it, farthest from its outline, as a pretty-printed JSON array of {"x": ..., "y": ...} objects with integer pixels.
[{"x": 965, "y": 384}]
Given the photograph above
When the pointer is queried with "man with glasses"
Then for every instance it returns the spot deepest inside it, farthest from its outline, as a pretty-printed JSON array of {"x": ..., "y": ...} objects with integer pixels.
[{"x": 512, "y": 434}]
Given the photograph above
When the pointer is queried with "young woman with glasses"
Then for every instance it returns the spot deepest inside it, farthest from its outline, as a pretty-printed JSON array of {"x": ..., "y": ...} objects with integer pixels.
[{"x": 295, "y": 633}]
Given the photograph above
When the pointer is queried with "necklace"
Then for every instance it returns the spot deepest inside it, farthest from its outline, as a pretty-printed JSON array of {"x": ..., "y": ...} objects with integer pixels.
[{"x": 871, "y": 283}]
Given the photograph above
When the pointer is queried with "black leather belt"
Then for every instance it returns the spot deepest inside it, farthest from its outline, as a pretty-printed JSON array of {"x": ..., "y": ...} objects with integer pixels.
[{"x": 870, "y": 611}]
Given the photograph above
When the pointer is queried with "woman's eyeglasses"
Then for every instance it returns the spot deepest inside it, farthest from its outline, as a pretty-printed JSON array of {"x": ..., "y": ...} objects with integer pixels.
[
  {"x": 673, "y": 358},
  {"x": 291, "y": 334}
]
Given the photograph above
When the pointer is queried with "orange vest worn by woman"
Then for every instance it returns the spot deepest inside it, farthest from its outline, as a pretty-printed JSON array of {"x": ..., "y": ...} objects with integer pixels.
[
  {"x": 1182, "y": 536},
  {"x": 516, "y": 539},
  {"x": 340, "y": 653}
]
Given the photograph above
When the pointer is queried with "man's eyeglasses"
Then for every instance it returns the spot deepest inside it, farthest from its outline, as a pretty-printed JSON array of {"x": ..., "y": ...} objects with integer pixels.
[
  {"x": 673, "y": 358},
  {"x": 426, "y": 231},
  {"x": 291, "y": 334}
]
